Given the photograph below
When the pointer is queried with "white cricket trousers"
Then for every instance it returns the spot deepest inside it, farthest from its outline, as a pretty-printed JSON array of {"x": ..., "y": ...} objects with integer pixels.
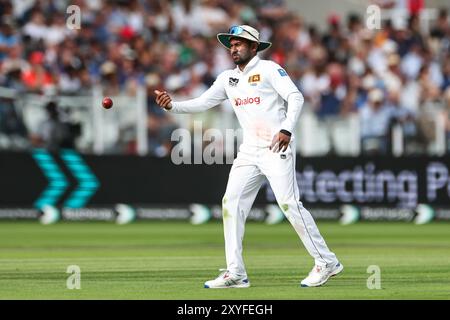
[{"x": 245, "y": 179}]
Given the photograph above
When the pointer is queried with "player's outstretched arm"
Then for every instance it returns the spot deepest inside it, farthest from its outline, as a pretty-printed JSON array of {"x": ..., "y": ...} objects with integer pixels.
[
  {"x": 163, "y": 99},
  {"x": 210, "y": 98}
]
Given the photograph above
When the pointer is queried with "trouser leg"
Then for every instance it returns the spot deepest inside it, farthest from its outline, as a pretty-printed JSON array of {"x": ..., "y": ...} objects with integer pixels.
[
  {"x": 243, "y": 185},
  {"x": 281, "y": 173}
]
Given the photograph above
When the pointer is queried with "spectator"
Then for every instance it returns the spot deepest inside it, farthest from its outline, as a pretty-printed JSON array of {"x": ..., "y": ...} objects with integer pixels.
[
  {"x": 37, "y": 78},
  {"x": 332, "y": 40},
  {"x": 332, "y": 96},
  {"x": 12, "y": 68},
  {"x": 271, "y": 10},
  {"x": 69, "y": 81},
  {"x": 412, "y": 62},
  {"x": 8, "y": 38},
  {"x": 11, "y": 122},
  {"x": 36, "y": 28},
  {"x": 446, "y": 75},
  {"x": 315, "y": 82},
  {"x": 54, "y": 133},
  {"x": 446, "y": 117},
  {"x": 375, "y": 119},
  {"x": 110, "y": 78},
  {"x": 442, "y": 26}
]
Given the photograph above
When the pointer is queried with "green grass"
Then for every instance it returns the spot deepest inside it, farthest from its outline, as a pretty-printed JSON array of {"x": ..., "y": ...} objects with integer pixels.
[{"x": 171, "y": 260}]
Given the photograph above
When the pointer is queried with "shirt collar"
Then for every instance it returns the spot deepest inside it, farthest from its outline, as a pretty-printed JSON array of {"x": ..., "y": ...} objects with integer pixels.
[{"x": 249, "y": 65}]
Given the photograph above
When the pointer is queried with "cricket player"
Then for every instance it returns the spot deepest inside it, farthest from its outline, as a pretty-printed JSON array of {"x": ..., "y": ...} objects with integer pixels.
[{"x": 267, "y": 104}]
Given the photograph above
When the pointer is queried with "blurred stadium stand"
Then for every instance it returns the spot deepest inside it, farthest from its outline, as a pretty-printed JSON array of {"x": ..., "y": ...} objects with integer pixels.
[{"x": 381, "y": 91}]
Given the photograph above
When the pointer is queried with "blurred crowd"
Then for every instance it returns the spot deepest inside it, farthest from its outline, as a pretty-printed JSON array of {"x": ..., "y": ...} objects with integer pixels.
[{"x": 398, "y": 74}]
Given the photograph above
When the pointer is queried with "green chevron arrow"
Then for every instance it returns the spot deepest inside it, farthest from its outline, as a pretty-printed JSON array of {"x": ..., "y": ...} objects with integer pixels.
[
  {"x": 57, "y": 180},
  {"x": 87, "y": 181}
]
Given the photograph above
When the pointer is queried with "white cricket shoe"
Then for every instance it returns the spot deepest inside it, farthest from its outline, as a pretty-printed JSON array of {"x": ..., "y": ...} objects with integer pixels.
[
  {"x": 319, "y": 275},
  {"x": 228, "y": 280}
]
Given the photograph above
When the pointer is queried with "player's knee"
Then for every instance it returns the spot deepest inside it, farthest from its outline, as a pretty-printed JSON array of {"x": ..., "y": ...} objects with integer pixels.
[
  {"x": 230, "y": 199},
  {"x": 229, "y": 206}
]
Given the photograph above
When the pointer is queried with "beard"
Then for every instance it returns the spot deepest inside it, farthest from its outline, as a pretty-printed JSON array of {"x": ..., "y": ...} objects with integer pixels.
[{"x": 238, "y": 59}]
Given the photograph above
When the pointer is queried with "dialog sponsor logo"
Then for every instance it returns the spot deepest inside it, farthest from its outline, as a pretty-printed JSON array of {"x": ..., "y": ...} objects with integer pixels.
[{"x": 243, "y": 102}]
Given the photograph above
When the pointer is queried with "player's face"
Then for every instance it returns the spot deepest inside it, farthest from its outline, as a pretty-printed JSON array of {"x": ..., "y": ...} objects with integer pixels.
[{"x": 240, "y": 50}]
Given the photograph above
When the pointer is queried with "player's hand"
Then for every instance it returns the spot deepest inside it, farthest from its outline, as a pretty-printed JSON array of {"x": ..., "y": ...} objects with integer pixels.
[
  {"x": 280, "y": 142},
  {"x": 163, "y": 99}
]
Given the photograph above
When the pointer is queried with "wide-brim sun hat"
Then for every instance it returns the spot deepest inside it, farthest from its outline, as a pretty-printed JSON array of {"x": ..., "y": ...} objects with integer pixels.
[
  {"x": 376, "y": 95},
  {"x": 245, "y": 32}
]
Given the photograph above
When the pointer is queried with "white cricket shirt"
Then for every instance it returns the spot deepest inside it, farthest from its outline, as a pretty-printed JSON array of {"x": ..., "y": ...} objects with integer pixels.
[{"x": 258, "y": 95}]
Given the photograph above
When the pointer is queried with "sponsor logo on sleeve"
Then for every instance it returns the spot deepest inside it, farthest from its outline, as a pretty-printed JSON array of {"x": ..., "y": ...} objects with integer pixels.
[{"x": 282, "y": 72}]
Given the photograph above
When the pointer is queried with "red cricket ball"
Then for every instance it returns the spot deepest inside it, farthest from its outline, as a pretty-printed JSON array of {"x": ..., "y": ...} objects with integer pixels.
[{"x": 107, "y": 103}]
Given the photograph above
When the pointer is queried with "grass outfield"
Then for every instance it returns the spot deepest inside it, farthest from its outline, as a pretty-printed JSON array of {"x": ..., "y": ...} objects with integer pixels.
[{"x": 171, "y": 260}]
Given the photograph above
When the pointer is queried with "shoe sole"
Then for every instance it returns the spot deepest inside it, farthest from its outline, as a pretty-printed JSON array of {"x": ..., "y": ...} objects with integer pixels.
[
  {"x": 242, "y": 285},
  {"x": 334, "y": 273}
]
